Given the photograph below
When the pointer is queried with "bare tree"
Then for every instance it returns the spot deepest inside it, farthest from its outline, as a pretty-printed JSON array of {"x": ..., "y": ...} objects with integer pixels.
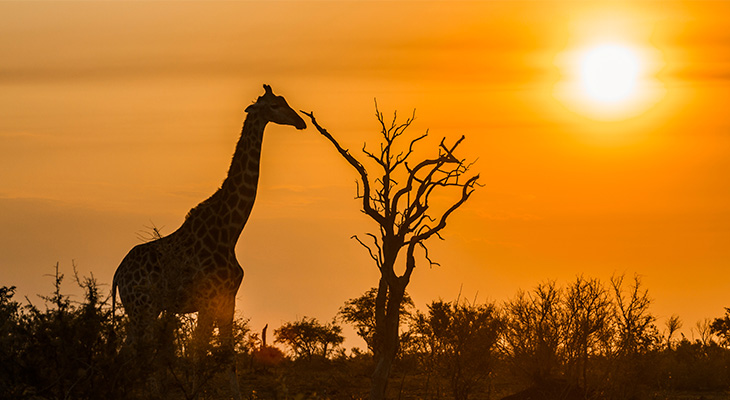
[
  {"x": 533, "y": 331},
  {"x": 704, "y": 331},
  {"x": 636, "y": 334},
  {"x": 588, "y": 324},
  {"x": 636, "y": 330},
  {"x": 399, "y": 201}
]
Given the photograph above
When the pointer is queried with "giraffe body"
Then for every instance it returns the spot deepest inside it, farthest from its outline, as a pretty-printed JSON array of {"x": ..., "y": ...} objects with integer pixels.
[
  {"x": 195, "y": 269},
  {"x": 177, "y": 274}
]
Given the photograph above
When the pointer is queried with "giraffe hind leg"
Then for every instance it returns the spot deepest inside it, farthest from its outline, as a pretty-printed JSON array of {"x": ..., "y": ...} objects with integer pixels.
[{"x": 142, "y": 345}]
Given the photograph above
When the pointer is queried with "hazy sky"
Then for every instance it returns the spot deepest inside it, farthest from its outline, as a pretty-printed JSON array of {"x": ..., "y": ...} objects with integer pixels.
[{"x": 117, "y": 116}]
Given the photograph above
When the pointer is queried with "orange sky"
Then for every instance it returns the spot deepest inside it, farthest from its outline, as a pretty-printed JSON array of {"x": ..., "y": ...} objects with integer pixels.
[{"x": 115, "y": 116}]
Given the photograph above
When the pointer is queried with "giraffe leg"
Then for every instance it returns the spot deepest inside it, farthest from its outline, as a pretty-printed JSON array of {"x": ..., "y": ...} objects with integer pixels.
[
  {"x": 201, "y": 342},
  {"x": 140, "y": 344},
  {"x": 203, "y": 330},
  {"x": 225, "y": 329}
]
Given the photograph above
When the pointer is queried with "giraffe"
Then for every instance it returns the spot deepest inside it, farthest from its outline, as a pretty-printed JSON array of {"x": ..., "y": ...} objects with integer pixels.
[{"x": 194, "y": 269}]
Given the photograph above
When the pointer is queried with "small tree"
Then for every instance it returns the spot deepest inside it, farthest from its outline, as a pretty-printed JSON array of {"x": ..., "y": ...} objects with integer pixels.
[
  {"x": 459, "y": 340},
  {"x": 673, "y": 324},
  {"x": 721, "y": 328},
  {"x": 360, "y": 312},
  {"x": 400, "y": 200},
  {"x": 308, "y": 338}
]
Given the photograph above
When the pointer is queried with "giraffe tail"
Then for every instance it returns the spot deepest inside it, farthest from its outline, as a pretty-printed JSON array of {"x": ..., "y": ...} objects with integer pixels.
[{"x": 114, "y": 300}]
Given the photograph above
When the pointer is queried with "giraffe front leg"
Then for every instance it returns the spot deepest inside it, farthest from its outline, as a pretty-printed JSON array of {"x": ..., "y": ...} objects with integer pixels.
[
  {"x": 225, "y": 329},
  {"x": 201, "y": 343}
]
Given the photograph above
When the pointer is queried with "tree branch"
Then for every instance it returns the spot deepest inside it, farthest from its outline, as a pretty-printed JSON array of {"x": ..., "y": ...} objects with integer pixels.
[
  {"x": 467, "y": 190},
  {"x": 379, "y": 257},
  {"x": 366, "y": 197}
]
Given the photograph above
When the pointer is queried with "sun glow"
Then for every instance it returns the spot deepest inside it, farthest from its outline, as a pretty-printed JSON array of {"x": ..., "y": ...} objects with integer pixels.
[
  {"x": 609, "y": 81},
  {"x": 609, "y": 69},
  {"x": 609, "y": 73}
]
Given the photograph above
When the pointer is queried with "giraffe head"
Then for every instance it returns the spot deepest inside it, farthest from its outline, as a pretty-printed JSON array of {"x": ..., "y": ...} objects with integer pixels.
[{"x": 273, "y": 108}]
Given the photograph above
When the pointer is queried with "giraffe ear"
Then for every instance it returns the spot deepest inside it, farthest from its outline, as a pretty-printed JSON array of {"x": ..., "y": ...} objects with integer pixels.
[{"x": 250, "y": 108}]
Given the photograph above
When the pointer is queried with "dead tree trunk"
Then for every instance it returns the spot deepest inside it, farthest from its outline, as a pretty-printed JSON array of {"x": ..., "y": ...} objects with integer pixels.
[
  {"x": 405, "y": 220},
  {"x": 386, "y": 338}
]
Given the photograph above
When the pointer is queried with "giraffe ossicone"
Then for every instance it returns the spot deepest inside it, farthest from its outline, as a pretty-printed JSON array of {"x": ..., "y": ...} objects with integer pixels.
[{"x": 195, "y": 269}]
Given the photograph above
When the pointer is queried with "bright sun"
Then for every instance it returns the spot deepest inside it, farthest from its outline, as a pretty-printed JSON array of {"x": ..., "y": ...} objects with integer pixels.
[
  {"x": 608, "y": 80},
  {"x": 609, "y": 73}
]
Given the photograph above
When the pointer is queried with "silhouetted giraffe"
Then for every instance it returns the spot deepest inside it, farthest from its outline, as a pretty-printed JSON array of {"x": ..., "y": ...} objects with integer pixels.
[{"x": 195, "y": 267}]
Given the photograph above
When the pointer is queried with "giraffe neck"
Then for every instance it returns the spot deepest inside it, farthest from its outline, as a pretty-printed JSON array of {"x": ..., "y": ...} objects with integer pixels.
[{"x": 224, "y": 214}]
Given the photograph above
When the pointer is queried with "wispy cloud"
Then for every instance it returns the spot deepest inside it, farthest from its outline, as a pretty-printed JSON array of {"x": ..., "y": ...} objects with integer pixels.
[
  {"x": 17, "y": 135},
  {"x": 88, "y": 41}
]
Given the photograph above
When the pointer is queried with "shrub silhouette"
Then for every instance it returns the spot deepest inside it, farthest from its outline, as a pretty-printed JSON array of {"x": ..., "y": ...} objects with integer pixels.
[
  {"x": 63, "y": 348},
  {"x": 459, "y": 341},
  {"x": 308, "y": 338}
]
